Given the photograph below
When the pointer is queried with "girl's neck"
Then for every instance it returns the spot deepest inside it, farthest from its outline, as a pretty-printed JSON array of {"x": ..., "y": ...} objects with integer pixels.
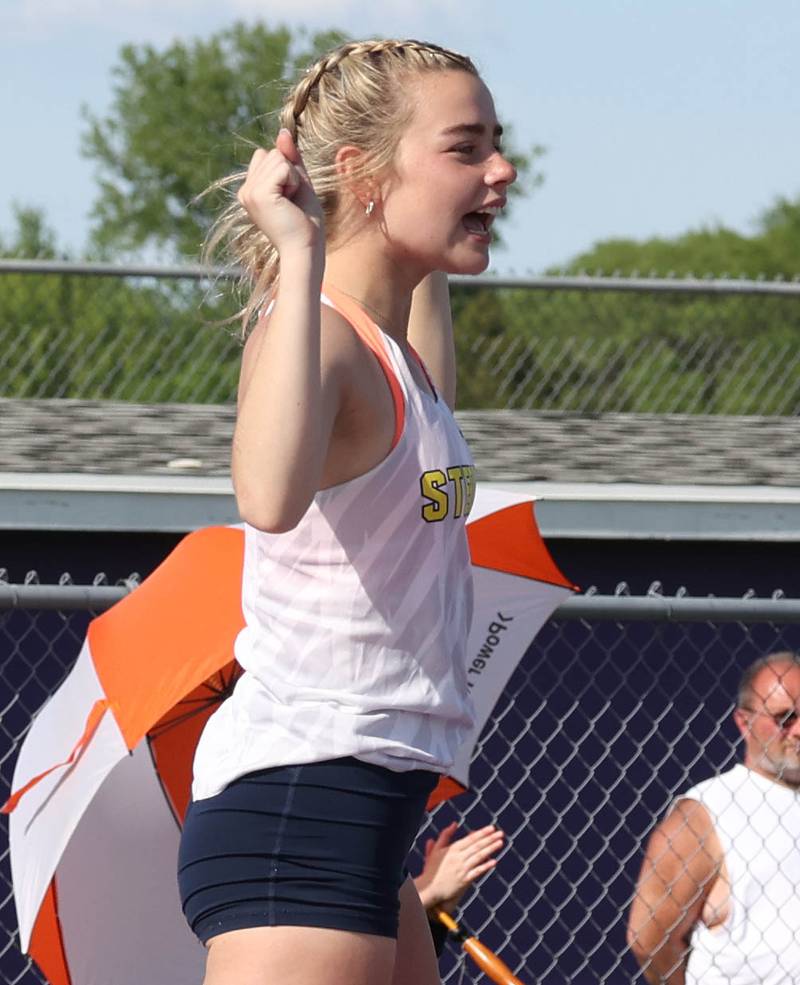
[{"x": 376, "y": 284}]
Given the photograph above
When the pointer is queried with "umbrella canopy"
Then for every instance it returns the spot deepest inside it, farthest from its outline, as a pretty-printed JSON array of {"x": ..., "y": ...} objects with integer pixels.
[
  {"x": 517, "y": 587},
  {"x": 94, "y": 838}
]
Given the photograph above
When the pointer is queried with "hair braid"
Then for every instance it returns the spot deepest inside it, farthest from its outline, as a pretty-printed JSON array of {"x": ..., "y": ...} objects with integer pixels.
[
  {"x": 311, "y": 79},
  {"x": 423, "y": 52}
]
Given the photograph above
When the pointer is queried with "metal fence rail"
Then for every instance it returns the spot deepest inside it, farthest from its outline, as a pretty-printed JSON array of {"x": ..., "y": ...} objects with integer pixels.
[
  {"x": 618, "y": 705},
  {"x": 572, "y": 343}
]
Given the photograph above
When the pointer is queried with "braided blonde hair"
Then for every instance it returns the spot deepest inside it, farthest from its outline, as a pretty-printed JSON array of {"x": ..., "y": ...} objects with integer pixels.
[{"x": 351, "y": 95}]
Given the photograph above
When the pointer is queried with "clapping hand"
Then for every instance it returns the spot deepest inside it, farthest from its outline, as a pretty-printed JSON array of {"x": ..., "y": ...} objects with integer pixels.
[{"x": 452, "y": 866}]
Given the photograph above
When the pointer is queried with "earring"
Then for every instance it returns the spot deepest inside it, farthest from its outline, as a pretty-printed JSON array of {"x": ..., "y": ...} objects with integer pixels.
[{"x": 369, "y": 209}]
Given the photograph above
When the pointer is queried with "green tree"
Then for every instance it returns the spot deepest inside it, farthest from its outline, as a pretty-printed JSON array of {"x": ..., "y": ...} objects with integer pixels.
[
  {"x": 643, "y": 352},
  {"x": 780, "y": 231},
  {"x": 186, "y": 115},
  {"x": 179, "y": 119},
  {"x": 88, "y": 337},
  {"x": 773, "y": 250},
  {"x": 32, "y": 239}
]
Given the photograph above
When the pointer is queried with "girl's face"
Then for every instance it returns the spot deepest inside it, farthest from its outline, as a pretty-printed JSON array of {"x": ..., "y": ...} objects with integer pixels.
[{"x": 449, "y": 179}]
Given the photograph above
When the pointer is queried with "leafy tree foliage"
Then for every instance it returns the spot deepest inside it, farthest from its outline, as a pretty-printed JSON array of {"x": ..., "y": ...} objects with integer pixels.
[
  {"x": 71, "y": 335},
  {"x": 772, "y": 251},
  {"x": 179, "y": 119},
  {"x": 596, "y": 351},
  {"x": 32, "y": 238},
  {"x": 590, "y": 352}
]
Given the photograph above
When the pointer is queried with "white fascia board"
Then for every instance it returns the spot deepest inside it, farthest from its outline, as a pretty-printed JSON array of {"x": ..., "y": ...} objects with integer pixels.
[
  {"x": 629, "y": 511},
  {"x": 86, "y": 502},
  {"x": 624, "y": 511}
]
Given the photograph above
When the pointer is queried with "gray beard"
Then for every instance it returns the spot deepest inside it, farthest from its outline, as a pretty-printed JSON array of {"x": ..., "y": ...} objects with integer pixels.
[{"x": 784, "y": 770}]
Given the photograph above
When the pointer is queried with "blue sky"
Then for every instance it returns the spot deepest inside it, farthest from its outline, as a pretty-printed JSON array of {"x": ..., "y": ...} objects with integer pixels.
[{"x": 658, "y": 116}]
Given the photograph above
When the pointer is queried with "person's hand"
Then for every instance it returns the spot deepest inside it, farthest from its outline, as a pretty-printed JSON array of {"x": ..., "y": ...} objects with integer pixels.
[
  {"x": 452, "y": 866},
  {"x": 279, "y": 198}
]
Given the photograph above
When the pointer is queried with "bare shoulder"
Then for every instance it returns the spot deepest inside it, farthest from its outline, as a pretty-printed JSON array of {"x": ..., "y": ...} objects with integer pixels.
[
  {"x": 687, "y": 819},
  {"x": 339, "y": 345},
  {"x": 686, "y": 837},
  {"x": 337, "y": 332},
  {"x": 340, "y": 342}
]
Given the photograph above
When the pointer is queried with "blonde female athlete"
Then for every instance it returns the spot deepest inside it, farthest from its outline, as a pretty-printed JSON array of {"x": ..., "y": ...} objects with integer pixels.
[{"x": 354, "y": 484}]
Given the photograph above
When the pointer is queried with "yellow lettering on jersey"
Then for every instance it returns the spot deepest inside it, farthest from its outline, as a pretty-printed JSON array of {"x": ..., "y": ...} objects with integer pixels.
[
  {"x": 469, "y": 481},
  {"x": 456, "y": 475},
  {"x": 432, "y": 483}
]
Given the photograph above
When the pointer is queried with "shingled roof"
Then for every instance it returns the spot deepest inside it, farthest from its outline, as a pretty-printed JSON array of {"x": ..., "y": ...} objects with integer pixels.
[{"x": 102, "y": 437}]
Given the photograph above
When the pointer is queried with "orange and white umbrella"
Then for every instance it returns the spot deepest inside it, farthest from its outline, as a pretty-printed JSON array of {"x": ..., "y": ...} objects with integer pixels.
[
  {"x": 94, "y": 838},
  {"x": 517, "y": 587}
]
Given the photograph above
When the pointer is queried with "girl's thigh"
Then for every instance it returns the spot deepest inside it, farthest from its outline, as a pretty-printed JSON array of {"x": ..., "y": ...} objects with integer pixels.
[
  {"x": 318, "y": 956},
  {"x": 300, "y": 956},
  {"x": 415, "y": 960}
]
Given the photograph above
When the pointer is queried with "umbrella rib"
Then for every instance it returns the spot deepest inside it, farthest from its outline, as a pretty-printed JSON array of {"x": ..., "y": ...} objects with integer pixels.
[
  {"x": 215, "y": 693},
  {"x": 163, "y": 726}
]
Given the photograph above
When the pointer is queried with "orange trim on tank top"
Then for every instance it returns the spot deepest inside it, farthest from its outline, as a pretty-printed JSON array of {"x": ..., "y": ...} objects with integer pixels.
[
  {"x": 425, "y": 372},
  {"x": 372, "y": 337}
]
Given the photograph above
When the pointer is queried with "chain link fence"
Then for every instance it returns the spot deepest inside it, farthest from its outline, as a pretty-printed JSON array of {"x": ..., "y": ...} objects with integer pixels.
[
  {"x": 618, "y": 705},
  {"x": 577, "y": 344}
]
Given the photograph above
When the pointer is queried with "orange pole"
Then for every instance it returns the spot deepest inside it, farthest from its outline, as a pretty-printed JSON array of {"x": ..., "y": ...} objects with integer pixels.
[{"x": 489, "y": 963}]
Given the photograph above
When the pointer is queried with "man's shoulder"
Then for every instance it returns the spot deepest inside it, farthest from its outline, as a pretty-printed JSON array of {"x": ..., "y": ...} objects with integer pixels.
[
  {"x": 685, "y": 842},
  {"x": 723, "y": 784},
  {"x": 733, "y": 796}
]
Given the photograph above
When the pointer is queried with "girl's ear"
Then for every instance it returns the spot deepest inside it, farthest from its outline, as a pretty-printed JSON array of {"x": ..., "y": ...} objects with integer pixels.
[{"x": 348, "y": 162}]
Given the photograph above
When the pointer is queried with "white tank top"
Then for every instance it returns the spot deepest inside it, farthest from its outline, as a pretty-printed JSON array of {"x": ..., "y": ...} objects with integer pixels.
[
  {"x": 356, "y": 620},
  {"x": 758, "y": 824}
]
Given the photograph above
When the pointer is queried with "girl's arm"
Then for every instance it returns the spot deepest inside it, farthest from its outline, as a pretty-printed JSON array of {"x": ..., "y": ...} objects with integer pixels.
[
  {"x": 430, "y": 331},
  {"x": 289, "y": 393}
]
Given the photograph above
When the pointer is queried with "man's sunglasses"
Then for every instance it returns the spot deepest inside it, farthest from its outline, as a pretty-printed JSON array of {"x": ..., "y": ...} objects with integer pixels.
[{"x": 784, "y": 720}]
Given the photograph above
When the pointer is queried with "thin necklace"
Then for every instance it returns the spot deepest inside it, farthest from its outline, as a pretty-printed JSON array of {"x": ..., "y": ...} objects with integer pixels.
[
  {"x": 403, "y": 343},
  {"x": 382, "y": 320}
]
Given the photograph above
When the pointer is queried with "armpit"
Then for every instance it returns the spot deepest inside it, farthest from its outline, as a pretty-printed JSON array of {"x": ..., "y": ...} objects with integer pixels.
[{"x": 718, "y": 904}]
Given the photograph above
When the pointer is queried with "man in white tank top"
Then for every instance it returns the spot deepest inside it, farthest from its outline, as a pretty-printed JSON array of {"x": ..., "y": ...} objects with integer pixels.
[{"x": 718, "y": 897}]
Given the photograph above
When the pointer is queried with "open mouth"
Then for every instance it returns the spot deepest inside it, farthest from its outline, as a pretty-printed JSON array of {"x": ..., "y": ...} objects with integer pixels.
[{"x": 480, "y": 222}]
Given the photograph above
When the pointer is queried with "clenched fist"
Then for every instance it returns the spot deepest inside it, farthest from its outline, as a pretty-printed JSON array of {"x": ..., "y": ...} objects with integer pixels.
[{"x": 280, "y": 199}]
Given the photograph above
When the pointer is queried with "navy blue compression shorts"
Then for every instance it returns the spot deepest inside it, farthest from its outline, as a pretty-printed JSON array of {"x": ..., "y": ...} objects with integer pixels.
[{"x": 318, "y": 845}]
